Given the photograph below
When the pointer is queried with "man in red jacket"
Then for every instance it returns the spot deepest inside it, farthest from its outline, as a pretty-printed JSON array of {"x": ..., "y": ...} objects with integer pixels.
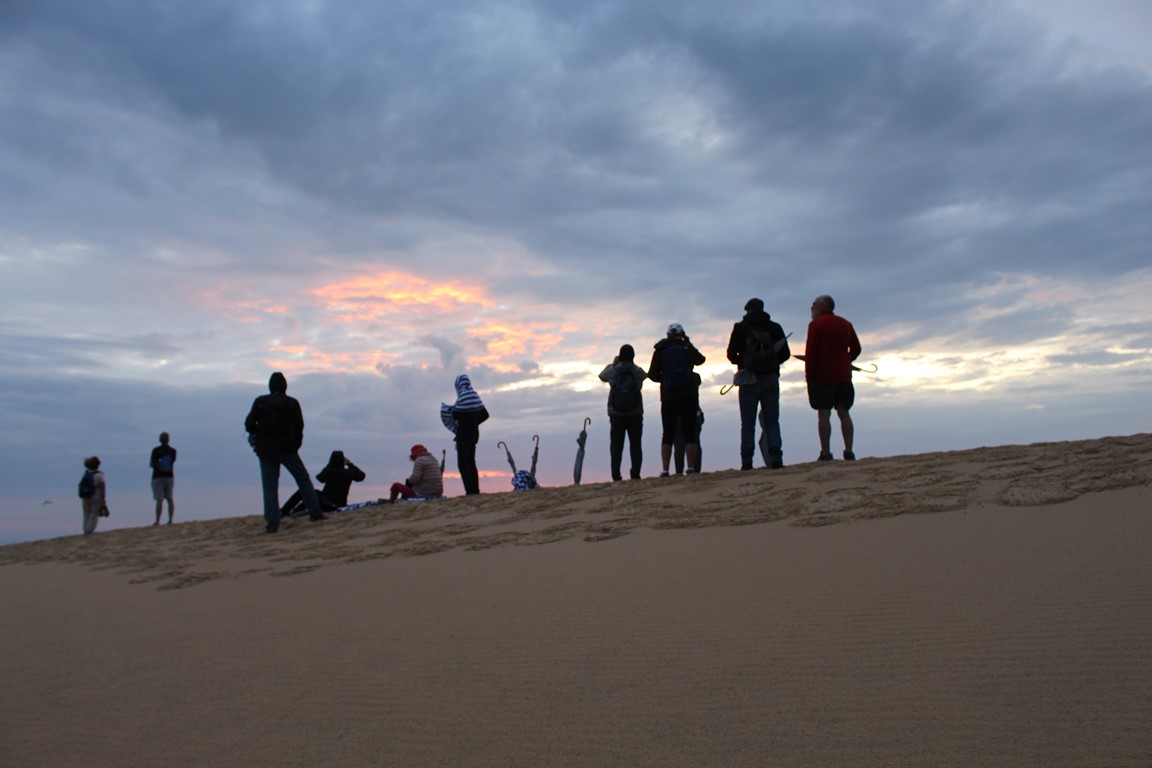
[{"x": 828, "y": 354}]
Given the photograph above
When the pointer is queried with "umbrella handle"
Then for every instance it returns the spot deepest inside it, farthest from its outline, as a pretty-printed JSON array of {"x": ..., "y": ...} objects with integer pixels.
[
  {"x": 502, "y": 444},
  {"x": 537, "y": 439},
  {"x": 726, "y": 388},
  {"x": 587, "y": 421}
]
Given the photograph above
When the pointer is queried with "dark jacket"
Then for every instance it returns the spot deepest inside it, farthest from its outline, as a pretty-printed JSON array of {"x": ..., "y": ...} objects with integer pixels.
[
  {"x": 692, "y": 356},
  {"x": 275, "y": 421},
  {"x": 338, "y": 477},
  {"x": 760, "y": 320},
  {"x": 468, "y": 425}
]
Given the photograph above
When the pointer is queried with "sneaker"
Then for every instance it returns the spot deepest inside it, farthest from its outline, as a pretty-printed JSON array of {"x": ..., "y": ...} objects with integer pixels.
[
  {"x": 825, "y": 457},
  {"x": 320, "y": 516},
  {"x": 849, "y": 456},
  {"x": 776, "y": 465},
  {"x": 664, "y": 473},
  {"x": 745, "y": 467},
  {"x": 691, "y": 472}
]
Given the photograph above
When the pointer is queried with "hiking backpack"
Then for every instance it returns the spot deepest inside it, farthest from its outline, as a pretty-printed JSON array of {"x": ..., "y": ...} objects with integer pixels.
[
  {"x": 759, "y": 351},
  {"x": 624, "y": 396},
  {"x": 677, "y": 370}
]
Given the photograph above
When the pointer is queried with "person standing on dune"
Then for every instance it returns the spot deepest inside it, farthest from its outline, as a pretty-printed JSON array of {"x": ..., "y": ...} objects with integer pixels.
[
  {"x": 829, "y": 352},
  {"x": 673, "y": 359},
  {"x": 275, "y": 426},
  {"x": 464, "y": 418}
]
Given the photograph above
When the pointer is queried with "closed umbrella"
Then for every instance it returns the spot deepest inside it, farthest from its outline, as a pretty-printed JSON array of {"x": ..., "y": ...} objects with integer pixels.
[
  {"x": 443, "y": 457},
  {"x": 508, "y": 453},
  {"x": 580, "y": 441},
  {"x": 535, "y": 453}
]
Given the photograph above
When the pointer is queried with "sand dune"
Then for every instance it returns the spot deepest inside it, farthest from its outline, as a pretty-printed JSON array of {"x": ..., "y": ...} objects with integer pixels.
[{"x": 990, "y": 607}]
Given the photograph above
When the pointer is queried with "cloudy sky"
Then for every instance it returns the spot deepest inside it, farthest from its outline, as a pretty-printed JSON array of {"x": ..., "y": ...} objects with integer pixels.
[{"x": 374, "y": 197}]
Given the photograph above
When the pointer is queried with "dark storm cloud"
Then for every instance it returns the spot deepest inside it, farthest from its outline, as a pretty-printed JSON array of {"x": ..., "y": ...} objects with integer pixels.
[{"x": 914, "y": 140}]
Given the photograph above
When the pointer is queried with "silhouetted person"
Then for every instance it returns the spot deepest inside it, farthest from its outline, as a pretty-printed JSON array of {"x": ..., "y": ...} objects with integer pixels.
[
  {"x": 625, "y": 410},
  {"x": 831, "y": 348},
  {"x": 276, "y": 427},
  {"x": 162, "y": 461}
]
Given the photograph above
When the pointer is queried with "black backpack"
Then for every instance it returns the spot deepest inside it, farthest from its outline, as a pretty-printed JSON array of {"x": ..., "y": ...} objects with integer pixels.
[
  {"x": 759, "y": 351},
  {"x": 677, "y": 370},
  {"x": 87, "y": 484},
  {"x": 624, "y": 396}
]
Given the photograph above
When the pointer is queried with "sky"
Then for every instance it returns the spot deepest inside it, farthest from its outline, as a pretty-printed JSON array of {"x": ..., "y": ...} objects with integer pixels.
[{"x": 375, "y": 197}]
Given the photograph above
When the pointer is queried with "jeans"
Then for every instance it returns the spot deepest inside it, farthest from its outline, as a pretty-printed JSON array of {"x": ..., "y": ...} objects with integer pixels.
[
  {"x": 631, "y": 425},
  {"x": 270, "y": 477},
  {"x": 763, "y": 396}
]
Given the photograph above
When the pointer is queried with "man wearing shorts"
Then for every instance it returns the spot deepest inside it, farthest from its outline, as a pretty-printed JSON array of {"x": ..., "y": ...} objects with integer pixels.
[
  {"x": 828, "y": 354},
  {"x": 673, "y": 359},
  {"x": 162, "y": 462}
]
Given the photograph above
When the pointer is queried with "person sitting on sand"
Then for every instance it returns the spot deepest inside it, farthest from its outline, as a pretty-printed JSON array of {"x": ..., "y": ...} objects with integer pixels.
[
  {"x": 426, "y": 481},
  {"x": 337, "y": 476}
]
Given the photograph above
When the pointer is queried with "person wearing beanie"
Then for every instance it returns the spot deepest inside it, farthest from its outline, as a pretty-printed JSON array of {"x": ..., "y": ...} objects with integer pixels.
[
  {"x": 426, "y": 481},
  {"x": 625, "y": 410},
  {"x": 757, "y": 347},
  {"x": 275, "y": 426}
]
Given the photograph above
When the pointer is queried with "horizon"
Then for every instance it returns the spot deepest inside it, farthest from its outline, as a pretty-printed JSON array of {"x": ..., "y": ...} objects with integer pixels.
[{"x": 375, "y": 199}]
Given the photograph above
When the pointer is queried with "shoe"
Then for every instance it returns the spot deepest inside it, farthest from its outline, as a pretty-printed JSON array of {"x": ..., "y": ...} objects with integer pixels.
[
  {"x": 691, "y": 472},
  {"x": 825, "y": 457},
  {"x": 849, "y": 456},
  {"x": 745, "y": 467},
  {"x": 271, "y": 530},
  {"x": 320, "y": 516},
  {"x": 776, "y": 465},
  {"x": 664, "y": 473}
]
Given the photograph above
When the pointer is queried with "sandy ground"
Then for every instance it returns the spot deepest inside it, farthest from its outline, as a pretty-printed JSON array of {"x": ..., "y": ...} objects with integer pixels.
[{"x": 979, "y": 608}]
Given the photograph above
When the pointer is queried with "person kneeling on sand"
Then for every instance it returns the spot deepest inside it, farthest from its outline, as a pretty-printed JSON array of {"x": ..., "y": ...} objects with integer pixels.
[{"x": 426, "y": 481}]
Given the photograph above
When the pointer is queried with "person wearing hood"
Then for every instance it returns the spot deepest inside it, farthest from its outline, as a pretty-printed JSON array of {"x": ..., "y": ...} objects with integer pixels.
[
  {"x": 625, "y": 410},
  {"x": 275, "y": 426},
  {"x": 426, "y": 481},
  {"x": 757, "y": 347},
  {"x": 673, "y": 359},
  {"x": 337, "y": 476},
  {"x": 464, "y": 418}
]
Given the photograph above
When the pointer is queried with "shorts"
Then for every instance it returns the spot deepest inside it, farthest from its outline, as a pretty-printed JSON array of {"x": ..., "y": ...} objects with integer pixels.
[
  {"x": 682, "y": 413},
  {"x": 829, "y": 395},
  {"x": 162, "y": 488}
]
